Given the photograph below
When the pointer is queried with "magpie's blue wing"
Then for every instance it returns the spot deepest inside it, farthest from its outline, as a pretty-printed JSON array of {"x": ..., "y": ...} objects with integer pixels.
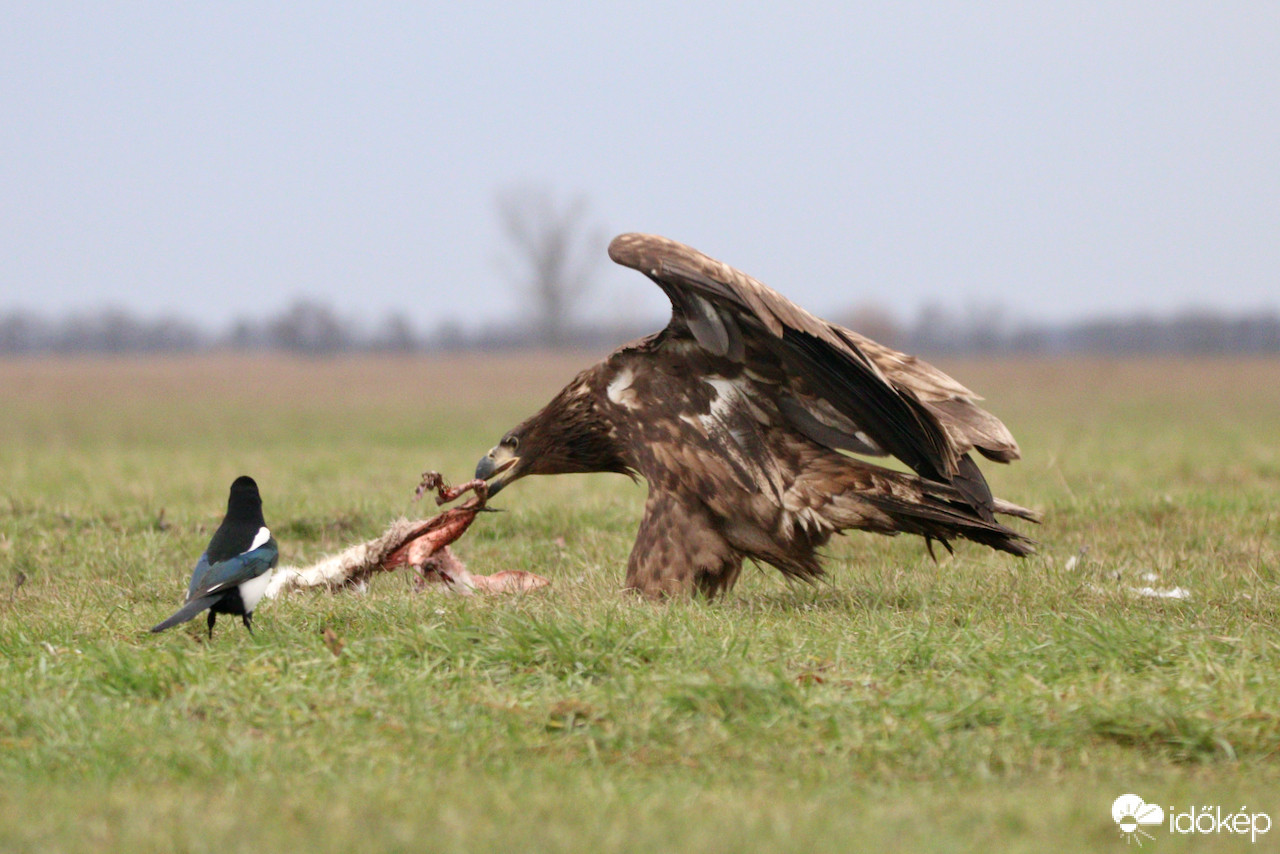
[
  {"x": 217, "y": 577},
  {"x": 197, "y": 575}
]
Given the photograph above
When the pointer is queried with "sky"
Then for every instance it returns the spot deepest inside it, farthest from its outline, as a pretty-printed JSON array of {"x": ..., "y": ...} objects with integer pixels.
[{"x": 1057, "y": 160}]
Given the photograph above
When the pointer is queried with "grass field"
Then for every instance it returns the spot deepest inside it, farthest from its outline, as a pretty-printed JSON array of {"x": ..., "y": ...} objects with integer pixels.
[{"x": 984, "y": 704}]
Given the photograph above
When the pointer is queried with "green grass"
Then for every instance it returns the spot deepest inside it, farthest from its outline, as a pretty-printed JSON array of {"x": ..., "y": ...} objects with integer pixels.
[{"x": 981, "y": 704}]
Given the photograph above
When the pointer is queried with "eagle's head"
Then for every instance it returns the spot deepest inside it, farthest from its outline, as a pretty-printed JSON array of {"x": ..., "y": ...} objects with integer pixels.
[{"x": 569, "y": 435}]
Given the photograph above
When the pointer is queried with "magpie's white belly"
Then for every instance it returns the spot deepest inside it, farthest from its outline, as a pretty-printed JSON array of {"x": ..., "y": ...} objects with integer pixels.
[{"x": 251, "y": 591}]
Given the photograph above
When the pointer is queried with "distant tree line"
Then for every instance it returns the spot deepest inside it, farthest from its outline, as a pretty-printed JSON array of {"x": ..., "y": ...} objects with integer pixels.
[
  {"x": 304, "y": 327},
  {"x": 551, "y": 259},
  {"x": 988, "y": 331},
  {"x": 312, "y": 328}
]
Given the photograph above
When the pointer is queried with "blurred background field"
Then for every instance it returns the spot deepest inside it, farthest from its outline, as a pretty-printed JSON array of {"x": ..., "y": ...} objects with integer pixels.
[{"x": 980, "y": 704}]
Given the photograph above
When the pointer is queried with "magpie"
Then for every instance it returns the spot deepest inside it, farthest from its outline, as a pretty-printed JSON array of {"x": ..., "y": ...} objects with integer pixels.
[{"x": 233, "y": 572}]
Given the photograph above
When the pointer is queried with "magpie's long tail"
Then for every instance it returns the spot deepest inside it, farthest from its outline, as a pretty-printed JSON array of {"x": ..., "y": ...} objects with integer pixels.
[{"x": 186, "y": 612}]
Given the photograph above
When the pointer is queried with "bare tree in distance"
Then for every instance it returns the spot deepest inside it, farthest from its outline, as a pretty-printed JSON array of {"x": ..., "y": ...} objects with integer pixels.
[
  {"x": 554, "y": 253},
  {"x": 874, "y": 321},
  {"x": 311, "y": 327}
]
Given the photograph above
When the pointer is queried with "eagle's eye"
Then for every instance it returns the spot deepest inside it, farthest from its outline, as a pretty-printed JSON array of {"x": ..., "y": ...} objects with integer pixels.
[{"x": 511, "y": 442}]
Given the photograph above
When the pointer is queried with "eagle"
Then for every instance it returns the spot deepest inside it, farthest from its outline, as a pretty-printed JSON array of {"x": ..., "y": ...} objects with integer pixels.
[{"x": 749, "y": 418}]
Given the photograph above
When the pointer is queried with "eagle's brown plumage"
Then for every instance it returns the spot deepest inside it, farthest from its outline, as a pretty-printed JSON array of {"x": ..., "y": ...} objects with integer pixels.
[{"x": 737, "y": 414}]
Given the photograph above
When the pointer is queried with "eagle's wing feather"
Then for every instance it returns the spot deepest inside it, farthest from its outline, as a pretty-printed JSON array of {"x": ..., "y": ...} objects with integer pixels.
[
  {"x": 968, "y": 425},
  {"x": 836, "y": 387}
]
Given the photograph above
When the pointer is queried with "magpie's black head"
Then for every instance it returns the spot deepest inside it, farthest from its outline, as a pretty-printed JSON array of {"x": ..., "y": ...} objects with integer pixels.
[
  {"x": 244, "y": 497},
  {"x": 242, "y": 522}
]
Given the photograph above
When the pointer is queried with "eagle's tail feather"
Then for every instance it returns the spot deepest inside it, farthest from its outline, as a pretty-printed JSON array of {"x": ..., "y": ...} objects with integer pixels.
[
  {"x": 936, "y": 518},
  {"x": 874, "y": 498},
  {"x": 942, "y": 521},
  {"x": 1008, "y": 508}
]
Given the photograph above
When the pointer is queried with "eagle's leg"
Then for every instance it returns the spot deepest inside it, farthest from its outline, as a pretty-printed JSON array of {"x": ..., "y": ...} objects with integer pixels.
[{"x": 678, "y": 551}]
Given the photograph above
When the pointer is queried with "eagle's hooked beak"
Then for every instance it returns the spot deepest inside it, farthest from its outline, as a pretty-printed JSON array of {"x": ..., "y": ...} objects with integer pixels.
[{"x": 497, "y": 467}]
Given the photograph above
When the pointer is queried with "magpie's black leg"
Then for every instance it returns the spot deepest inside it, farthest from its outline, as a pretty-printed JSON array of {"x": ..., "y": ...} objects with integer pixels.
[
  {"x": 248, "y": 622},
  {"x": 213, "y": 618}
]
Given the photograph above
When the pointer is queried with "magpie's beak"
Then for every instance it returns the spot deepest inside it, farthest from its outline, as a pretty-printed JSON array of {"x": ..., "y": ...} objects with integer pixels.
[{"x": 498, "y": 467}]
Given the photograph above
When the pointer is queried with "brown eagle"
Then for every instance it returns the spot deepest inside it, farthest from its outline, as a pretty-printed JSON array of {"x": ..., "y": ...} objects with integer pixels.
[{"x": 742, "y": 415}]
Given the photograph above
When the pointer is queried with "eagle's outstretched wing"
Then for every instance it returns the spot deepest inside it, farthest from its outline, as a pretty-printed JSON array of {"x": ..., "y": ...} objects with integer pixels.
[{"x": 838, "y": 388}]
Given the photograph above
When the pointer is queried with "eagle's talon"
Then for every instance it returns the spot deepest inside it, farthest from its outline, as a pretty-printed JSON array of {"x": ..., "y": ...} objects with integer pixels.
[{"x": 433, "y": 481}]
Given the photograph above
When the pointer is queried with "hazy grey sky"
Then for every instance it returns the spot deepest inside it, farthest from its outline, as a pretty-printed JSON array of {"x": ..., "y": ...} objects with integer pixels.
[{"x": 1063, "y": 159}]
